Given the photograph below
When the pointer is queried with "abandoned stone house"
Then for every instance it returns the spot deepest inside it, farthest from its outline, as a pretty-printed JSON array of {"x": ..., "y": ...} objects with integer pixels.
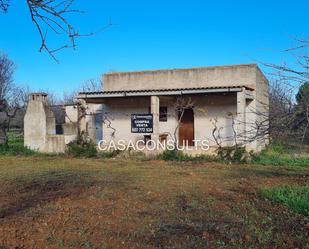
[
  {"x": 50, "y": 128},
  {"x": 223, "y": 105}
]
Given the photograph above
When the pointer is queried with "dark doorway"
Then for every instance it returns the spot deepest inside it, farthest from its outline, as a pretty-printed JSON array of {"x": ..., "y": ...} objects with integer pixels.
[
  {"x": 186, "y": 128},
  {"x": 98, "y": 127}
]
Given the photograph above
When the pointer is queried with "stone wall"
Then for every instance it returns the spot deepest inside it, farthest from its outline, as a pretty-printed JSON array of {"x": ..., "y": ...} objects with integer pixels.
[{"x": 40, "y": 127}]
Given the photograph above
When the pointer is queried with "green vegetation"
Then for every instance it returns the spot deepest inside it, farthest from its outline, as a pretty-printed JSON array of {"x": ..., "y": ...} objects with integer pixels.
[
  {"x": 295, "y": 197},
  {"x": 174, "y": 155},
  {"x": 228, "y": 154},
  {"x": 277, "y": 153},
  {"x": 280, "y": 154},
  {"x": 232, "y": 154},
  {"x": 16, "y": 147},
  {"x": 78, "y": 150},
  {"x": 82, "y": 147},
  {"x": 281, "y": 160},
  {"x": 302, "y": 99},
  {"x": 16, "y": 150}
]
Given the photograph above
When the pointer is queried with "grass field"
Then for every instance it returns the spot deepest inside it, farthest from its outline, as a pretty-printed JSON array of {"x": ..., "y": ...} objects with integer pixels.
[{"x": 50, "y": 202}]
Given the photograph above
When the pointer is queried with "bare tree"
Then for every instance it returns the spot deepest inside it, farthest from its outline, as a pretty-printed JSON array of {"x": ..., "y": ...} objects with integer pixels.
[
  {"x": 12, "y": 97},
  {"x": 4, "y": 5},
  {"x": 182, "y": 104},
  {"x": 286, "y": 120},
  {"x": 291, "y": 77},
  {"x": 281, "y": 109},
  {"x": 51, "y": 16},
  {"x": 92, "y": 85}
]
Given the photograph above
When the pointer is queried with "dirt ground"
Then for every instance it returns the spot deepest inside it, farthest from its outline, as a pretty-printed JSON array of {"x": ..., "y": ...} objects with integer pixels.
[{"x": 91, "y": 203}]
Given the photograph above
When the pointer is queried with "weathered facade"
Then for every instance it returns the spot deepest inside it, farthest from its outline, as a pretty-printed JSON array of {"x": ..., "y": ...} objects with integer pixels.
[
  {"x": 40, "y": 127},
  {"x": 225, "y": 105}
]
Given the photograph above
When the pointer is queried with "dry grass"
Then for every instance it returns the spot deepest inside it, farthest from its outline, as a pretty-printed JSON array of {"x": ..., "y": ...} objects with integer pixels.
[{"x": 92, "y": 203}]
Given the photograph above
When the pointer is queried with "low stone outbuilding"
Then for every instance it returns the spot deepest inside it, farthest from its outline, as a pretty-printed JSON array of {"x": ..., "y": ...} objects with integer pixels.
[{"x": 40, "y": 133}]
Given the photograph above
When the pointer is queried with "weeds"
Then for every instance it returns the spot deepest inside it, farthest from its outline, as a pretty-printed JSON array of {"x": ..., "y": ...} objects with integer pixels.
[
  {"x": 108, "y": 154},
  {"x": 280, "y": 160},
  {"x": 15, "y": 147},
  {"x": 174, "y": 155},
  {"x": 16, "y": 150},
  {"x": 295, "y": 197},
  {"x": 232, "y": 154},
  {"x": 82, "y": 147},
  {"x": 280, "y": 154},
  {"x": 277, "y": 153},
  {"x": 126, "y": 204}
]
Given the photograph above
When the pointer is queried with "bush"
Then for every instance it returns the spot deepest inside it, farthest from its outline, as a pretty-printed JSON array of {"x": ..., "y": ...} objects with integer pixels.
[
  {"x": 16, "y": 150},
  {"x": 175, "y": 155},
  {"x": 15, "y": 138},
  {"x": 15, "y": 146},
  {"x": 232, "y": 154},
  {"x": 296, "y": 198},
  {"x": 278, "y": 147},
  {"x": 82, "y": 147},
  {"x": 170, "y": 155}
]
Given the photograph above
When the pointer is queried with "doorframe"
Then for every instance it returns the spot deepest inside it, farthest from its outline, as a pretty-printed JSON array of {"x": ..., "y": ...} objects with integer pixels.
[
  {"x": 193, "y": 121},
  {"x": 99, "y": 128}
]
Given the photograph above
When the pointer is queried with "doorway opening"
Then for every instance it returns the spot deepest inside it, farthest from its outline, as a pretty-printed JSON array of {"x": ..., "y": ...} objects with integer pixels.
[{"x": 186, "y": 127}]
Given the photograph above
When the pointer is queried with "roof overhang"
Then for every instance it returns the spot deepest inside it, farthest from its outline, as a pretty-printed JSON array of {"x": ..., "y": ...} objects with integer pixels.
[{"x": 160, "y": 92}]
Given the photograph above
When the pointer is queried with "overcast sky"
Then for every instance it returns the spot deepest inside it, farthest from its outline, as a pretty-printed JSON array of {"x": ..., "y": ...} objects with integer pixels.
[{"x": 153, "y": 35}]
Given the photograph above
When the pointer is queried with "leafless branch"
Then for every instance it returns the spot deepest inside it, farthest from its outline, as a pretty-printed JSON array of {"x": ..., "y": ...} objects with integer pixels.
[{"x": 51, "y": 17}]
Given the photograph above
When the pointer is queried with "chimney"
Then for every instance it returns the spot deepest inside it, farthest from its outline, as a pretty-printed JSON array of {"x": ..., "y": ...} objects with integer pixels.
[
  {"x": 39, "y": 122},
  {"x": 41, "y": 97}
]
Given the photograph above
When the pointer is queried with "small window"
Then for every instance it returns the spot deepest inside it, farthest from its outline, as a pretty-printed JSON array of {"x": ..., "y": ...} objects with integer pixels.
[
  {"x": 163, "y": 114},
  {"x": 147, "y": 138},
  {"x": 59, "y": 129}
]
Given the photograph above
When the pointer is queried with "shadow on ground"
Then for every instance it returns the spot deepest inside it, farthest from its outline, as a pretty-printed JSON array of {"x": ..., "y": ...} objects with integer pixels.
[{"x": 43, "y": 188}]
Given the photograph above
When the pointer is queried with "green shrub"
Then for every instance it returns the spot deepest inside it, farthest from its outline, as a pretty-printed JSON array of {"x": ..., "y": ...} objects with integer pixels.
[
  {"x": 77, "y": 150},
  {"x": 281, "y": 154},
  {"x": 232, "y": 154},
  {"x": 170, "y": 155},
  {"x": 16, "y": 150},
  {"x": 274, "y": 155},
  {"x": 15, "y": 146},
  {"x": 282, "y": 147},
  {"x": 82, "y": 147},
  {"x": 15, "y": 138},
  {"x": 239, "y": 154},
  {"x": 295, "y": 197},
  {"x": 175, "y": 155},
  {"x": 278, "y": 147}
]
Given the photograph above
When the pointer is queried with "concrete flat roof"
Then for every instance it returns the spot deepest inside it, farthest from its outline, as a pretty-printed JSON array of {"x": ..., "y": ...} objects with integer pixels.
[{"x": 184, "y": 69}]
